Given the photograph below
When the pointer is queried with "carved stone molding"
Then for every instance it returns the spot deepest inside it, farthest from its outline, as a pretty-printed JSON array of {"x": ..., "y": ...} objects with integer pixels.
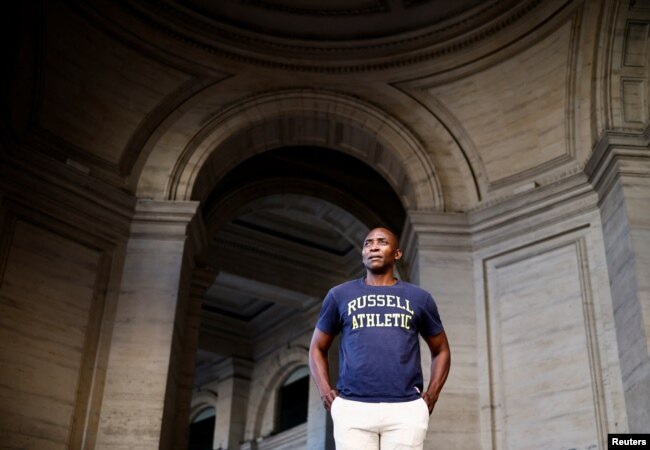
[
  {"x": 445, "y": 37},
  {"x": 615, "y": 154},
  {"x": 66, "y": 193},
  {"x": 301, "y": 117}
]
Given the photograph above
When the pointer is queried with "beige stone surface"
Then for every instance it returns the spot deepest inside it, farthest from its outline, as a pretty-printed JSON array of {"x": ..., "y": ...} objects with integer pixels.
[
  {"x": 506, "y": 112},
  {"x": 141, "y": 361},
  {"x": 455, "y": 420},
  {"x": 47, "y": 311},
  {"x": 540, "y": 351},
  {"x": 627, "y": 246},
  {"x": 514, "y": 136},
  {"x": 88, "y": 77}
]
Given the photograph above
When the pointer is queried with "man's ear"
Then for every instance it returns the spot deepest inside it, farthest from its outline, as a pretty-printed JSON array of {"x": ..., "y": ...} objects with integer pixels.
[{"x": 398, "y": 253}]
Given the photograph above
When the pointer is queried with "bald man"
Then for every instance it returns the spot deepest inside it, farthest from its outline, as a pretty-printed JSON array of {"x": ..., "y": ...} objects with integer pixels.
[{"x": 379, "y": 402}]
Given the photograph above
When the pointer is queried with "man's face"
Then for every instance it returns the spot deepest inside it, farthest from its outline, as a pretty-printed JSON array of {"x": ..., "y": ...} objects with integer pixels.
[{"x": 380, "y": 250}]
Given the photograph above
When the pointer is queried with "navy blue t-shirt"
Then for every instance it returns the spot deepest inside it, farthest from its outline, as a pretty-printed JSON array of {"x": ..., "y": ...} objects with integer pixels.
[{"x": 379, "y": 357}]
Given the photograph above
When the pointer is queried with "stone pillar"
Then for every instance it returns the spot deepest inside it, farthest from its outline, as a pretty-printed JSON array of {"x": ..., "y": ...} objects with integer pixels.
[
  {"x": 62, "y": 241},
  {"x": 232, "y": 385},
  {"x": 438, "y": 252},
  {"x": 202, "y": 279},
  {"x": 620, "y": 171},
  {"x": 140, "y": 397}
]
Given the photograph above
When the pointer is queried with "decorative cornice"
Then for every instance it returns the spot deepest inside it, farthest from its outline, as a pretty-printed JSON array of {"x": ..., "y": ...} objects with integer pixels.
[
  {"x": 435, "y": 231},
  {"x": 179, "y": 16},
  {"x": 380, "y": 6},
  {"x": 524, "y": 213},
  {"x": 562, "y": 173},
  {"x": 604, "y": 166},
  {"x": 568, "y": 197},
  {"x": 326, "y": 57}
]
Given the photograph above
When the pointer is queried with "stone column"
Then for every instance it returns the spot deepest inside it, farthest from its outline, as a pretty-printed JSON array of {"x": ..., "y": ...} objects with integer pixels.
[
  {"x": 232, "y": 385},
  {"x": 62, "y": 241},
  {"x": 438, "y": 253},
  {"x": 620, "y": 171},
  {"x": 140, "y": 397},
  {"x": 202, "y": 279}
]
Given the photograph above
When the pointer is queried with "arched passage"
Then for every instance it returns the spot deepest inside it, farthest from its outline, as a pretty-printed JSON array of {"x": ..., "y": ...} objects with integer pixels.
[
  {"x": 283, "y": 226},
  {"x": 339, "y": 166}
]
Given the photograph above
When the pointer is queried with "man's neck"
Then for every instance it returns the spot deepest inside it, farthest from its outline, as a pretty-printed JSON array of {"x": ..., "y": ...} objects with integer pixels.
[{"x": 380, "y": 279}]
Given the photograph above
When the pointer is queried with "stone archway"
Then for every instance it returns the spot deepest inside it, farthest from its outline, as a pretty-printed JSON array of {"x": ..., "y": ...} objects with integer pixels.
[
  {"x": 289, "y": 118},
  {"x": 183, "y": 177}
]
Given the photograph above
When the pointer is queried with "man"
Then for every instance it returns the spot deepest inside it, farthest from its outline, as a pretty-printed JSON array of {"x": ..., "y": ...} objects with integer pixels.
[{"x": 379, "y": 401}]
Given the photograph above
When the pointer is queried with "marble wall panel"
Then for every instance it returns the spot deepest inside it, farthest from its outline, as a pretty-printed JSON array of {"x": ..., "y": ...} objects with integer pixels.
[
  {"x": 51, "y": 306},
  {"x": 448, "y": 276},
  {"x": 539, "y": 348},
  {"x": 635, "y": 53},
  {"x": 633, "y": 93},
  {"x": 518, "y": 106},
  {"x": 629, "y": 73}
]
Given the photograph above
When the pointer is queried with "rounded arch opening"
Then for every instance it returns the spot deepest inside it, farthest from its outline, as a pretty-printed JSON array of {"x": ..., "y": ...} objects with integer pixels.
[
  {"x": 293, "y": 400},
  {"x": 202, "y": 426},
  {"x": 323, "y": 173},
  {"x": 302, "y": 196}
]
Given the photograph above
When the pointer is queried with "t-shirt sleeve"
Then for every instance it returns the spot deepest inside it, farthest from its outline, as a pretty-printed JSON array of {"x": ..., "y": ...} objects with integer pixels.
[
  {"x": 329, "y": 320},
  {"x": 431, "y": 324}
]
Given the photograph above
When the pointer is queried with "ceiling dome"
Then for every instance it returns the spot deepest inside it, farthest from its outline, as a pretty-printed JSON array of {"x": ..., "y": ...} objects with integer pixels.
[
  {"x": 340, "y": 35},
  {"x": 334, "y": 20}
]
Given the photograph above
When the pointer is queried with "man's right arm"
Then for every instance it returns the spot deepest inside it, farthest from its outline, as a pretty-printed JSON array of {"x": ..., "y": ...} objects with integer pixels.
[{"x": 319, "y": 366}]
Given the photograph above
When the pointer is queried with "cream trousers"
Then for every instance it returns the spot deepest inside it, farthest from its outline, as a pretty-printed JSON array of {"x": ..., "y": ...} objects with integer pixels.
[{"x": 379, "y": 426}]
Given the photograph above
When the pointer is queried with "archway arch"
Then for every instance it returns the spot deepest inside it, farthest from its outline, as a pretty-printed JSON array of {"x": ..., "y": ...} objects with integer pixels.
[
  {"x": 260, "y": 419},
  {"x": 298, "y": 123},
  {"x": 292, "y": 118}
]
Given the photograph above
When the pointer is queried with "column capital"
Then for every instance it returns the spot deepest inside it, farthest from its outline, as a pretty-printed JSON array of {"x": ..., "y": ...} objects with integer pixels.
[
  {"x": 434, "y": 230},
  {"x": 162, "y": 218},
  {"x": 232, "y": 367}
]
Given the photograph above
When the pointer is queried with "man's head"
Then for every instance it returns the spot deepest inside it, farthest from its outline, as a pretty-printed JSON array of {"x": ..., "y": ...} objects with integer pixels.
[{"x": 380, "y": 250}]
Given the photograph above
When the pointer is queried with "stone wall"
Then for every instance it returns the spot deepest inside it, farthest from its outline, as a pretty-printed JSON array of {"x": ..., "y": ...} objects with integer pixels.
[{"x": 61, "y": 251}]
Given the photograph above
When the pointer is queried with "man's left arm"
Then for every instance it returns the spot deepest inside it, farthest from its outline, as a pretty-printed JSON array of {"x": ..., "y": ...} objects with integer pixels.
[{"x": 440, "y": 363}]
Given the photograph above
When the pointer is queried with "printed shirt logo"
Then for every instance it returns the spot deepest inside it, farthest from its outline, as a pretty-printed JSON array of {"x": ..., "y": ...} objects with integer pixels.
[{"x": 400, "y": 318}]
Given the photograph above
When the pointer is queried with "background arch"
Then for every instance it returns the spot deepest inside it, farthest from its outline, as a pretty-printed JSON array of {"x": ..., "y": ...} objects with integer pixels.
[{"x": 270, "y": 374}]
